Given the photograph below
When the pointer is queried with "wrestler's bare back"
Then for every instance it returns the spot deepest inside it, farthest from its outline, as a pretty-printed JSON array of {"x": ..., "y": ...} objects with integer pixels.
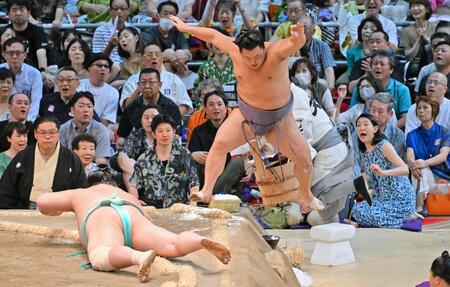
[
  {"x": 83, "y": 199},
  {"x": 267, "y": 87},
  {"x": 105, "y": 221}
]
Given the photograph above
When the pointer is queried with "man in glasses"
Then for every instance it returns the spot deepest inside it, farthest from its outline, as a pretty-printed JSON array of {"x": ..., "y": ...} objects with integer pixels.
[
  {"x": 57, "y": 103},
  {"x": 265, "y": 104},
  {"x": 98, "y": 10},
  {"x": 44, "y": 167},
  {"x": 149, "y": 86},
  {"x": 106, "y": 96},
  {"x": 171, "y": 85},
  {"x": 105, "y": 36},
  {"x": 28, "y": 80},
  {"x": 436, "y": 87}
]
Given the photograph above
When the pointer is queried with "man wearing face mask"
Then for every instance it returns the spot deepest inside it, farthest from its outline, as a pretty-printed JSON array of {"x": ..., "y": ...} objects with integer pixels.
[{"x": 171, "y": 41}]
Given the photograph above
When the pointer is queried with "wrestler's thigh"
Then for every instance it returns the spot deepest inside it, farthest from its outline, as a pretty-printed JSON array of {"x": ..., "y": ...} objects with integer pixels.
[
  {"x": 231, "y": 133},
  {"x": 291, "y": 141},
  {"x": 147, "y": 235}
]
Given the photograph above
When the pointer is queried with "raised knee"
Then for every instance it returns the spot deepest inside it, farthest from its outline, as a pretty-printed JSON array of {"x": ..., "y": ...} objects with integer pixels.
[{"x": 99, "y": 259}]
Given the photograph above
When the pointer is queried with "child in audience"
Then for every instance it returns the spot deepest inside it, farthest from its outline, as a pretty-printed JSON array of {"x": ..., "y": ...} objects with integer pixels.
[{"x": 394, "y": 198}]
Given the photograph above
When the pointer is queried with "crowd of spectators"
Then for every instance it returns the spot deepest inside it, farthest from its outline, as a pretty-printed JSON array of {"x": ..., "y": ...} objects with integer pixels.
[{"x": 148, "y": 100}]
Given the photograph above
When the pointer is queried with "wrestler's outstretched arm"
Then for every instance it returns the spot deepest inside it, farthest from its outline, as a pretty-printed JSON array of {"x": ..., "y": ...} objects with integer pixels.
[
  {"x": 284, "y": 48},
  {"x": 54, "y": 203},
  {"x": 209, "y": 35}
]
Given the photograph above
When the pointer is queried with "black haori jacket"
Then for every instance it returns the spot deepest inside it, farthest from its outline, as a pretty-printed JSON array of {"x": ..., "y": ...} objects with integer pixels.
[{"x": 17, "y": 180}]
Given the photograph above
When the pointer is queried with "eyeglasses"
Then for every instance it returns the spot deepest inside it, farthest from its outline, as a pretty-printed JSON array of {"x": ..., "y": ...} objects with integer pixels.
[
  {"x": 69, "y": 81},
  {"x": 151, "y": 54},
  {"x": 106, "y": 66},
  {"x": 433, "y": 82},
  {"x": 14, "y": 53},
  {"x": 117, "y": 9},
  {"x": 47, "y": 133},
  {"x": 151, "y": 83}
]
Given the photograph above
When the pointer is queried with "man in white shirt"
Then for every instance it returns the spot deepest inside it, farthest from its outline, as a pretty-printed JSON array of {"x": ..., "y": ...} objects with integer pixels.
[
  {"x": 28, "y": 79},
  {"x": 106, "y": 97},
  {"x": 436, "y": 86},
  {"x": 373, "y": 7},
  {"x": 172, "y": 86},
  {"x": 103, "y": 41}
]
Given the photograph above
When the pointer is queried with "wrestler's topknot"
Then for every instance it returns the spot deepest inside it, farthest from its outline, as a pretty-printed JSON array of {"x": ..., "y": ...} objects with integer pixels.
[
  {"x": 104, "y": 174},
  {"x": 249, "y": 39}
]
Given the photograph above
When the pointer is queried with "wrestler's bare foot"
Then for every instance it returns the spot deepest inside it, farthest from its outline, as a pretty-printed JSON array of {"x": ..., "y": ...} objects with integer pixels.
[
  {"x": 311, "y": 204},
  {"x": 144, "y": 267},
  {"x": 201, "y": 196},
  {"x": 217, "y": 249}
]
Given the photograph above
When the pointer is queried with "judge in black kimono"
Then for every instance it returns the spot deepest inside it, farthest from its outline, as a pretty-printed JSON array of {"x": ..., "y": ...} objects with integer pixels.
[{"x": 44, "y": 167}]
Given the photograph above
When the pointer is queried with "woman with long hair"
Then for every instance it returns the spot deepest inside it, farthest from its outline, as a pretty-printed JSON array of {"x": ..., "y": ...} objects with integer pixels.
[
  {"x": 62, "y": 42},
  {"x": 77, "y": 55},
  {"x": 394, "y": 198},
  {"x": 130, "y": 49}
]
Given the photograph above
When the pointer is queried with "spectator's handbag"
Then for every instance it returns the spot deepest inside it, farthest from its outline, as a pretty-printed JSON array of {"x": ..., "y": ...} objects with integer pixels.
[
  {"x": 274, "y": 217},
  {"x": 438, "y": 201}
]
